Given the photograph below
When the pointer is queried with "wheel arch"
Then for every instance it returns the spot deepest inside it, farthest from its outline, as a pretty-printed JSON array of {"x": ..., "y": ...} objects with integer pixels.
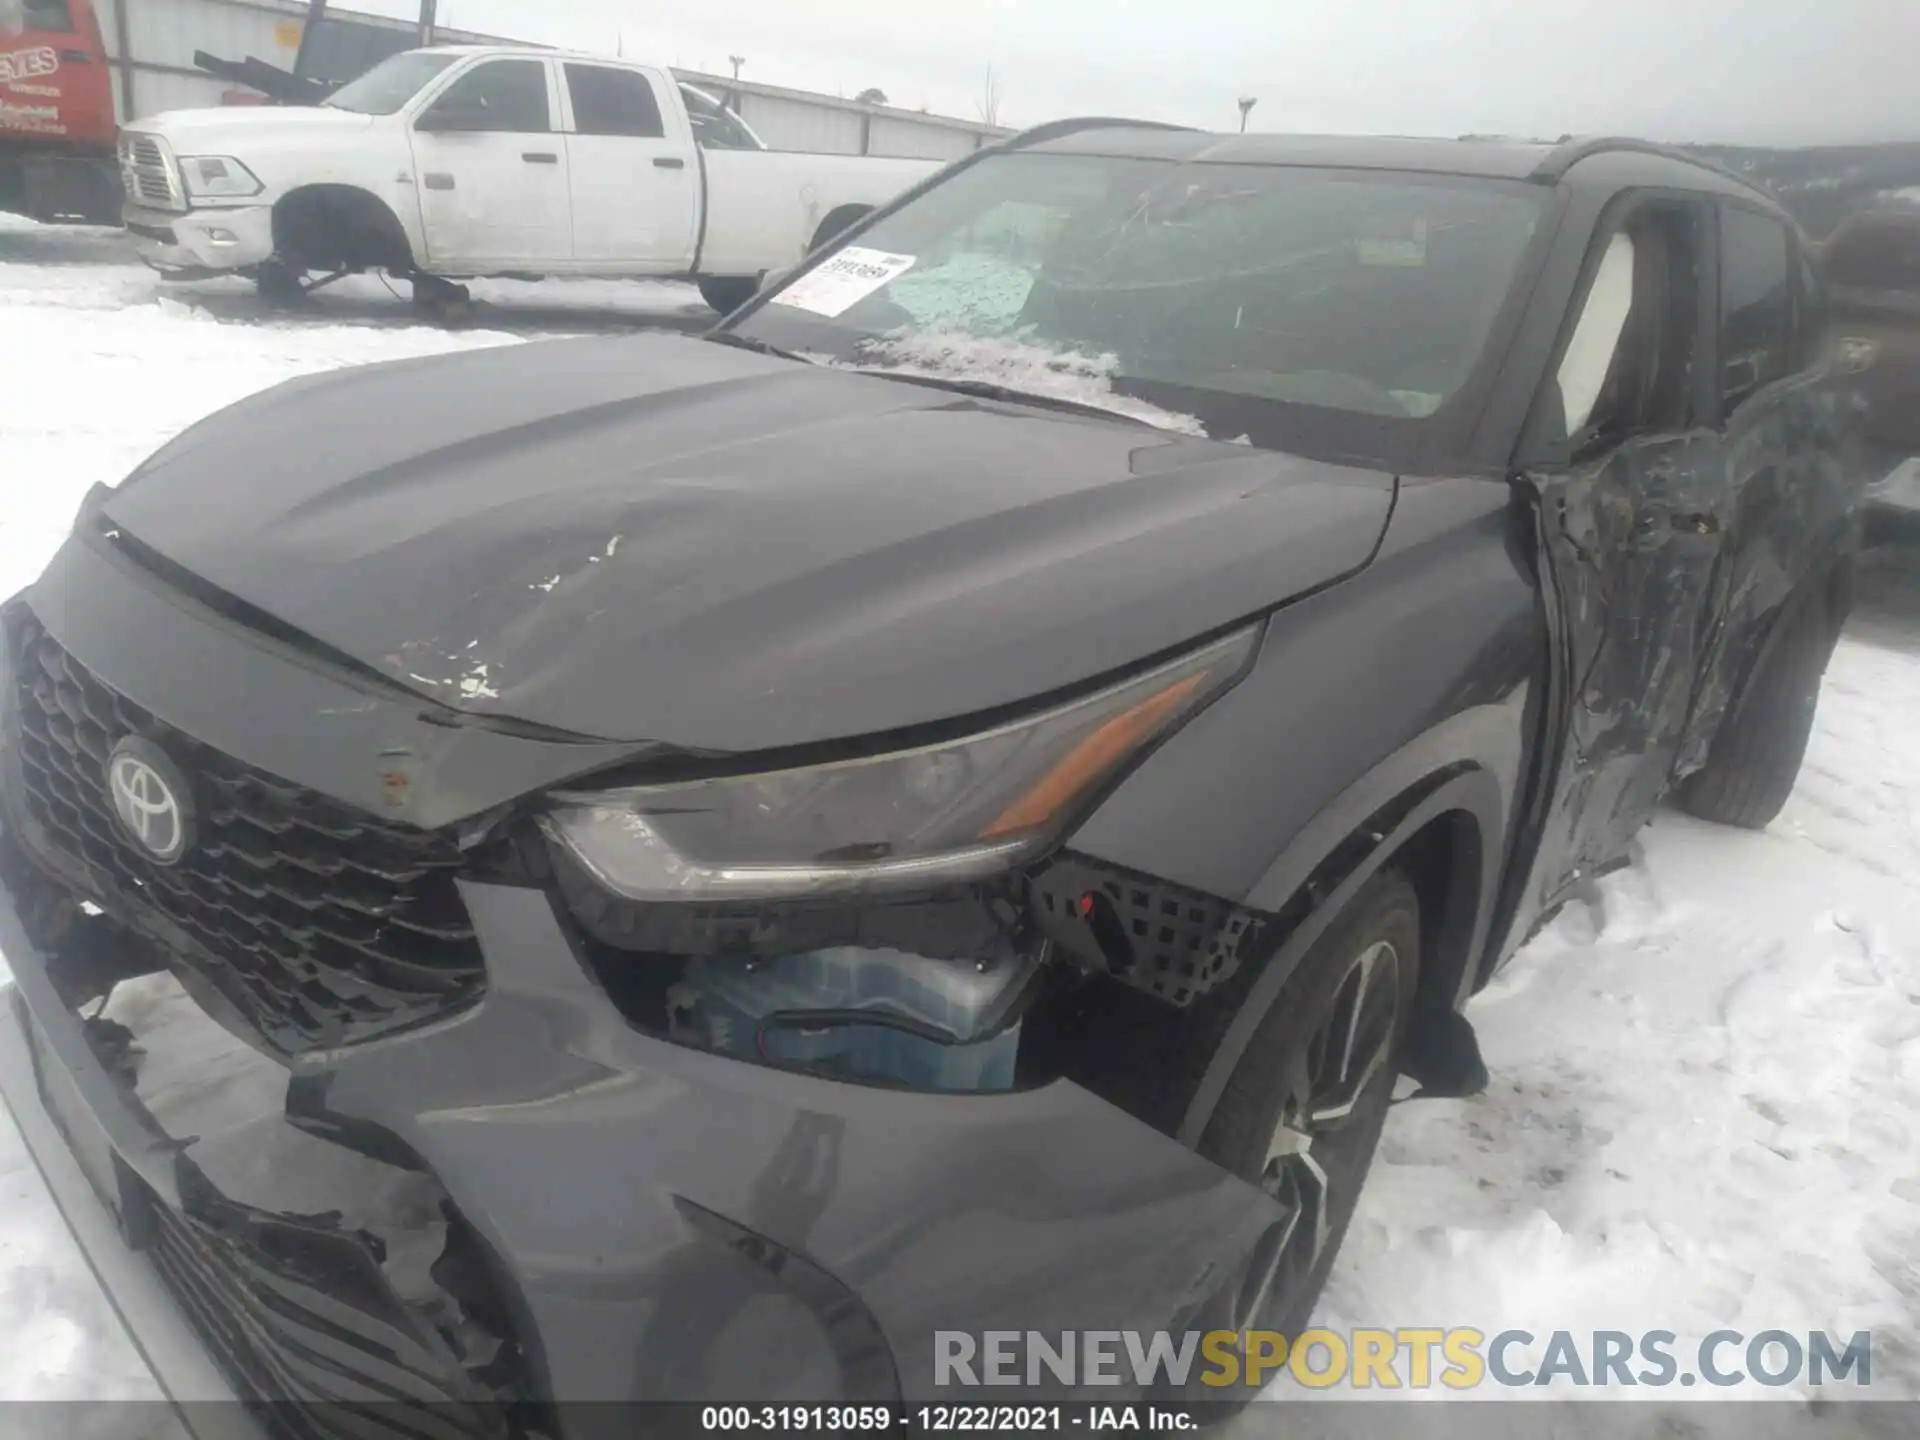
[
  {"x": 384, "y": 228},
  {"x": 838, "y": 219},
  {"x": 1440, "y": 809}
]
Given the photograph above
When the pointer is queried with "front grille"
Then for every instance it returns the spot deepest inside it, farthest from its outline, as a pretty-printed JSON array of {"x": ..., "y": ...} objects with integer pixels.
[
  {"x": 322, "y": 924},
  {"x": 305, "y": 1326},
  {"x": 149, "y": 170}
]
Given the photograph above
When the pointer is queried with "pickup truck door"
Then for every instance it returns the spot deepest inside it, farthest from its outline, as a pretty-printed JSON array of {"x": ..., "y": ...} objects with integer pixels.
[
  {"x": 1632, "y": 517},
  {"x": 634, "y": 177},
  {"x": 491, "y": 171}
]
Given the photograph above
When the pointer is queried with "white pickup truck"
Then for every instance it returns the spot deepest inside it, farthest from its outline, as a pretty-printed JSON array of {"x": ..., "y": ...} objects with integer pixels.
[{"x": 456, "y": 162}]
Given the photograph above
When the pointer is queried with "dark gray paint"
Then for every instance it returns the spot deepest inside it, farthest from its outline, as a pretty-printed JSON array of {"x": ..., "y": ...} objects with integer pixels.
[
  {"x": 1441, "y": 669},
  {"x": 1106, "y": 1223},
  {"x": 660, "y": 539}
]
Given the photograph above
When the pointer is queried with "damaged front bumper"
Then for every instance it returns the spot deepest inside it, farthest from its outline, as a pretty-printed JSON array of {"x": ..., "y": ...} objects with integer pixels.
[
  {"x": 467, "y": 1228},
  {"x": 521, "y": 1203}
]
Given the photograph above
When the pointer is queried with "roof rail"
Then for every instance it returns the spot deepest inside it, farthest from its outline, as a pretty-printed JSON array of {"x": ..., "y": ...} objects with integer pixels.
[
  {"x": 1054, "y": 129},
  {"x": 1572, "y": 150}
]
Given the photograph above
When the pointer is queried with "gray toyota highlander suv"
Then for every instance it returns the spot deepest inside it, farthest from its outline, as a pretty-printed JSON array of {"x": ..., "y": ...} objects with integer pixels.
[{"x": 678, "y": 868}]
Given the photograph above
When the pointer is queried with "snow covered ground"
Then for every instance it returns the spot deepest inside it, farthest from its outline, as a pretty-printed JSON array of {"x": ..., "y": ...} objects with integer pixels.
[{"x": 1707, "y": 1083}]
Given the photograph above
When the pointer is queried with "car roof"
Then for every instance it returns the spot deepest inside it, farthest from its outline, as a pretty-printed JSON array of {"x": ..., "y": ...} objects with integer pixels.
[
  {"x": 542, "y": 52},
  {"x": 1606, "y": 162}
]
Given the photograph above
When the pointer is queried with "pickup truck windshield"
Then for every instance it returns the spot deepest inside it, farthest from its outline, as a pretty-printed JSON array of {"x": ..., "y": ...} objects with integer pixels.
[
  {"x": 390, "y": 84},
  {"x": 1264, "y": 301}
]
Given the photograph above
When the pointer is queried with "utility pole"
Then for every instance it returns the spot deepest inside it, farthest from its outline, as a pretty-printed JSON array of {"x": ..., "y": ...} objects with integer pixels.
[
  {"x": 1247, "y": 102},
  {"x": 427, "y": 12}
]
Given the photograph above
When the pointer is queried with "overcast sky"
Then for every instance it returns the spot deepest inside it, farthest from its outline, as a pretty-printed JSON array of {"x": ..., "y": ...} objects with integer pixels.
[{"x": 1759, "y": 71}]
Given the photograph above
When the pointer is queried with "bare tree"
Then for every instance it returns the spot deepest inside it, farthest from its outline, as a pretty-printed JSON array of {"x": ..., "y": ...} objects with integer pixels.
[
  {"x": 736, "y": 61},
  {"x": 989, "y": 102}
]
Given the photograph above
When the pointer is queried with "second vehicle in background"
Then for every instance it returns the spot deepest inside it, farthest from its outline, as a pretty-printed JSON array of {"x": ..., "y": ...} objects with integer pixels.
[{"x": 455, "y": 162}]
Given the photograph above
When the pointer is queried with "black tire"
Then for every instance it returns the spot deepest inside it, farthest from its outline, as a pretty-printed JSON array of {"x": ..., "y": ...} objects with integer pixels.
[
  {"x": 279, "y": 283},
  {"x": 1755, "y": 756},
  {"x": 1261, "y": 1090},
  {"x": 441, "y": 302},
  {"x": 727, "y": 294}
]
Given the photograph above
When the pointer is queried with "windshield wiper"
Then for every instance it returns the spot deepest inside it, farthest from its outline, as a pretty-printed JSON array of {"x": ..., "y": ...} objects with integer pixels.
[
  {"x": 759, "y": 347},
  {"x": 987, "y": 390}
]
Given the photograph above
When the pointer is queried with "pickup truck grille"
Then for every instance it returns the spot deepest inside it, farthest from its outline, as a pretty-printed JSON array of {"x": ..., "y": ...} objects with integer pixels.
[
  {"x": 322, "y": 924},
  {"x": 151, "y": 176}
]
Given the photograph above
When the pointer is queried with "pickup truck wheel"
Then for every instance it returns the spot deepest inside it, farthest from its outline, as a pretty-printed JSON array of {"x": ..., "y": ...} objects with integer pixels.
[
  {"x": 279, "y": 283},
  {"x": 1302, "y": 1114},
  {"x": 1755, "y": 757},
  {"x": 727, "y": 295}
]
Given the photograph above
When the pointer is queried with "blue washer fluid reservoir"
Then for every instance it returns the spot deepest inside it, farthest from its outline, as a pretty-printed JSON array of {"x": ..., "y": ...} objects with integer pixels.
[{"x": 727, "y": 1004}]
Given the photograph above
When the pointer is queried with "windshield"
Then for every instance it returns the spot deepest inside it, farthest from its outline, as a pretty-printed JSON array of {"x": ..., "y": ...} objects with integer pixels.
[
  {"x": 1231, "y": 300},
  {"x": 390, "y": 84}
]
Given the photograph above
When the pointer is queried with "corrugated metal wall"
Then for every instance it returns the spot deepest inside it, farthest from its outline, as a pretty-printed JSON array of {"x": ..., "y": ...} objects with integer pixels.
[
  {"x": 795, "y": 125},
  {"x": 163, "y": 34},
  {"x": 799, "y": 120},
  {"x": 919, "y": 140}
]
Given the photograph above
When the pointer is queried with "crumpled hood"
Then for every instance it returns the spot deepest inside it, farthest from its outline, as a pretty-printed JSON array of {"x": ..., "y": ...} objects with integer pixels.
[{"x": 663, "y": 539}]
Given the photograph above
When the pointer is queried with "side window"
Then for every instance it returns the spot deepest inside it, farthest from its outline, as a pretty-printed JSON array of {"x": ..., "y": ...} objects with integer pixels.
[
  {"x": 1756, "y": 304},
  {"x": 613, "y": 102},
  {"x": 500, "y": 97},
  {"x": 714, "y": 126},
  {"x": 1631, "y": 361},
  {"x": 1596, "y": 338}
]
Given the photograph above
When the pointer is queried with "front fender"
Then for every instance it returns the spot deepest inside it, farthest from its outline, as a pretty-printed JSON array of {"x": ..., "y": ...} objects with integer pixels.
[{"x": 1344, "y": 869}]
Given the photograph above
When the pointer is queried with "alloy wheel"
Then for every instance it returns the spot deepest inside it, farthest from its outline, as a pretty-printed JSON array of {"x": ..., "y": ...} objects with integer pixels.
[{"x": 1320, "y": 1148}]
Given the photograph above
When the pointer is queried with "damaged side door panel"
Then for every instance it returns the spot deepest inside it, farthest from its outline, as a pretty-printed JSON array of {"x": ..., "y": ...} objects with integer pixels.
[
  {"x": 1634, "y": 513},
  {"x": 1792, "y": 492},
  {"x": 1632, "y": 544}
]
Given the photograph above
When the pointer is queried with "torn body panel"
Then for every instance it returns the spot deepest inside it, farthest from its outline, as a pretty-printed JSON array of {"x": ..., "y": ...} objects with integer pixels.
[
  {"x": 1631, "y": 545},
  {"x": 1794, "y": 500},
  {"x": 704, "y": 1228},
  {"x": 1667, "y": 563},
  {"x": 308, "y": 1270}
]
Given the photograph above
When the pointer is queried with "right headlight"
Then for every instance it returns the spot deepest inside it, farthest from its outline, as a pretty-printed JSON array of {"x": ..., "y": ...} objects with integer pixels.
[{"x": 939, "y": 814}]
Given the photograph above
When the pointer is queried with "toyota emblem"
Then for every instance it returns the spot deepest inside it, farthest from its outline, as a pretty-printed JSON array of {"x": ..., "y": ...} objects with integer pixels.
[{"x": 151, "y": 799}]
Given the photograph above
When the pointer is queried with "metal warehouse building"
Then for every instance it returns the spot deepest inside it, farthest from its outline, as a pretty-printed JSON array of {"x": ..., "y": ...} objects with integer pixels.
[{"x": 151, "y": 45}]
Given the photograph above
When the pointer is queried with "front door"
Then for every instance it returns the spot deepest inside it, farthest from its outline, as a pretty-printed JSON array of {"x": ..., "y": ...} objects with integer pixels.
[
  {"x": 491, "y": 169},
  {"x": 634, "y": 176},
  {"x": 1633, "y": 525}
]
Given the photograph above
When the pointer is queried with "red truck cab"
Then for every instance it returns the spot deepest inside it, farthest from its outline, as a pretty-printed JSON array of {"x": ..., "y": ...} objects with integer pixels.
[{"x": 57, "y": 122}]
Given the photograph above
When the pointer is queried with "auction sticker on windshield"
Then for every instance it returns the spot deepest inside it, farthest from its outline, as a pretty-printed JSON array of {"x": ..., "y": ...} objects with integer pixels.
[{"x": 844, "y": 281}]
